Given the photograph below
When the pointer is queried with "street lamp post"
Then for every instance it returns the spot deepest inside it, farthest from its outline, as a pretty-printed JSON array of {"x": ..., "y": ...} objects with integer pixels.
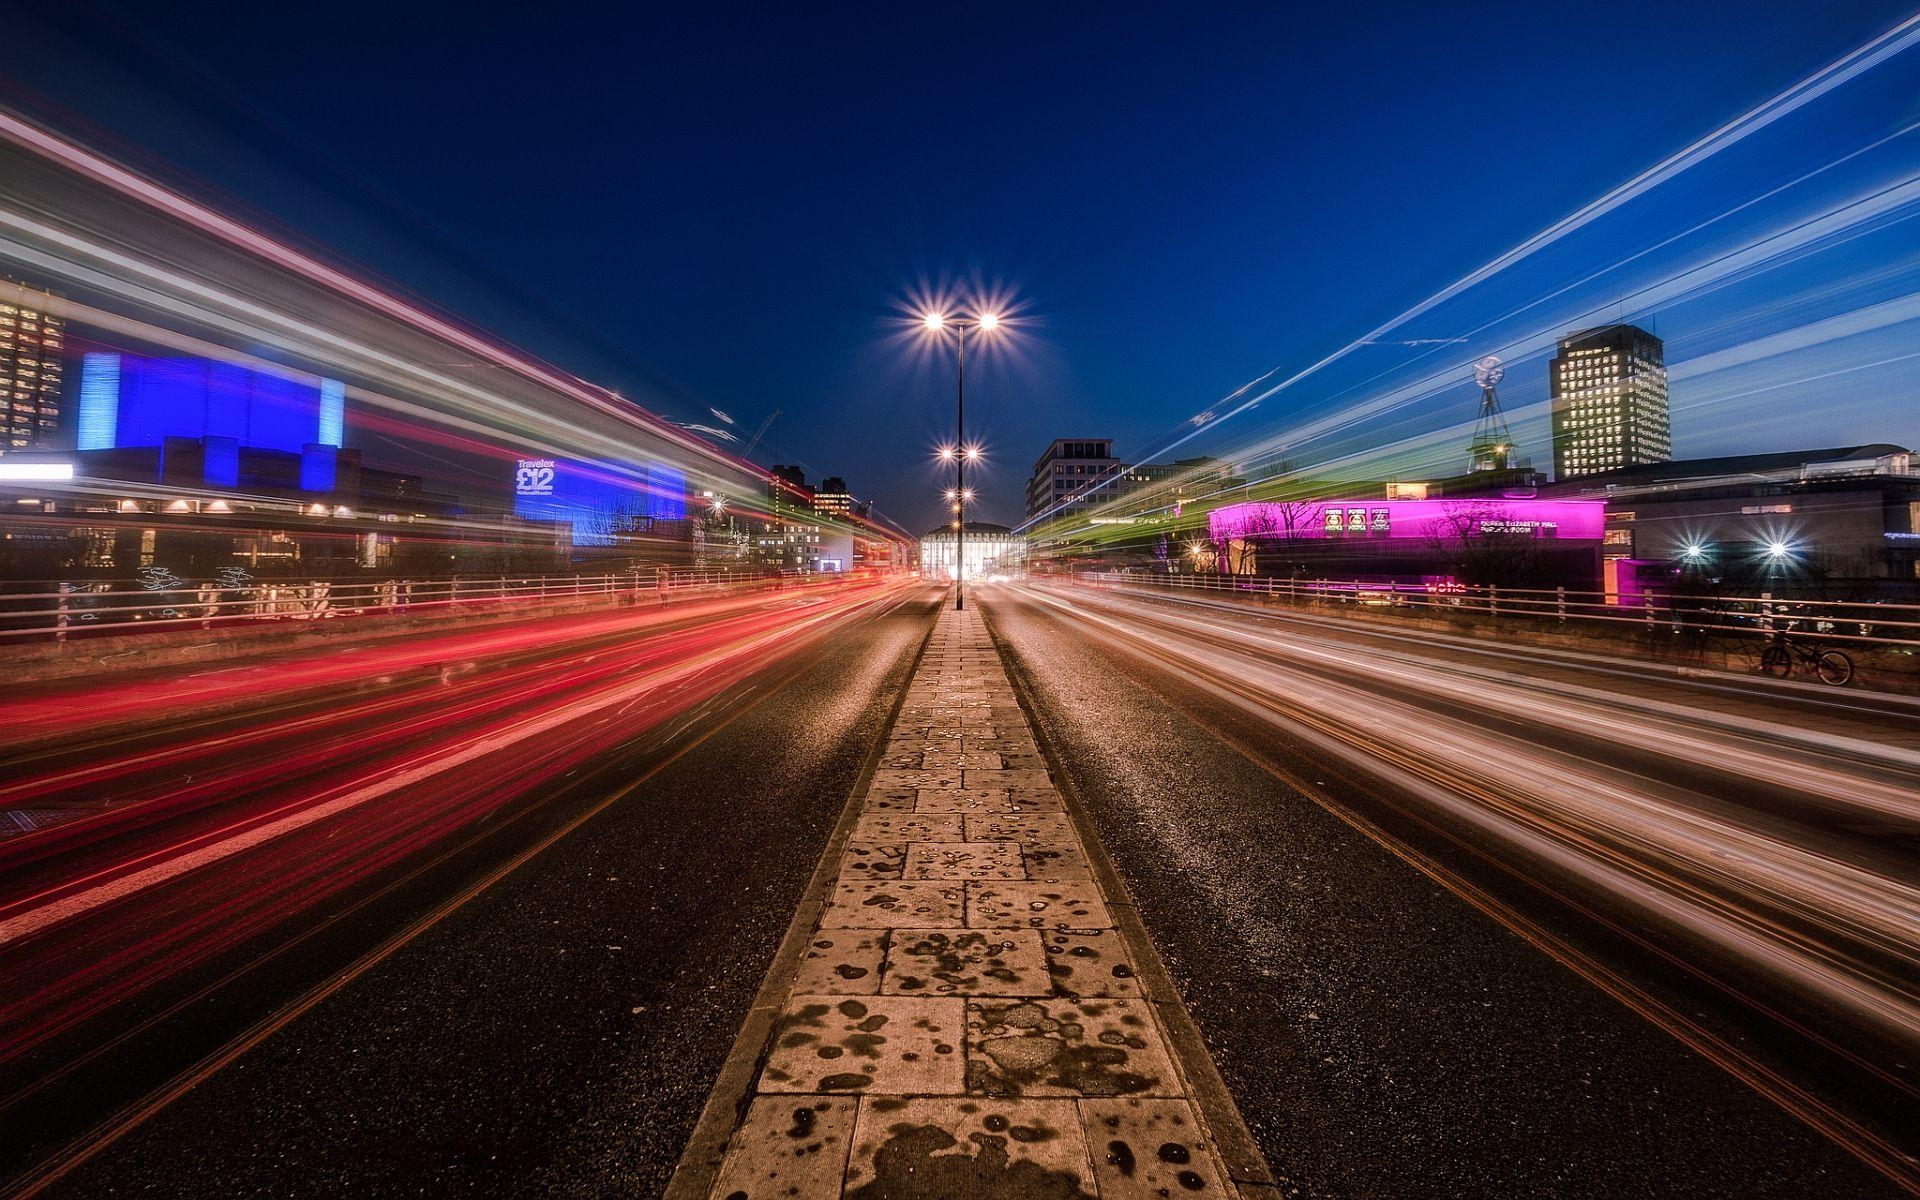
[{"x": 960, "y": 452}]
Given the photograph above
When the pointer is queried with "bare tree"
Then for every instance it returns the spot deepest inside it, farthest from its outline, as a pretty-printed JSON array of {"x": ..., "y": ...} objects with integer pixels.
[
  {"x": 1242, "y": 547},
  {"x": 1269, "y": 526},
  {"x": 1488, "y": 546}
]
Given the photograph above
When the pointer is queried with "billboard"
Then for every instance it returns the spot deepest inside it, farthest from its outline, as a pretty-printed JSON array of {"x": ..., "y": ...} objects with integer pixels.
[{"x": 601, "y": 502}]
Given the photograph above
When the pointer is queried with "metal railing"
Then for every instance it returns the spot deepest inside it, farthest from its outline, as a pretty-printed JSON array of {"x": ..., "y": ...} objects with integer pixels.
[
  {"x": 58, "y": 611},
  {"x": 1689, "y": 621}
]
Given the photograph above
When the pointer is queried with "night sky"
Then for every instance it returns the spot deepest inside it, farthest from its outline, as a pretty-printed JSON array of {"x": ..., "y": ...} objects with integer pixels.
[{"x": 702, "y": 206}]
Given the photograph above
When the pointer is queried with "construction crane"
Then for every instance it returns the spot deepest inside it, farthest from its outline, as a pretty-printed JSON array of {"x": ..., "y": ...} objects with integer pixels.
[{"x": 759, "y": 433}]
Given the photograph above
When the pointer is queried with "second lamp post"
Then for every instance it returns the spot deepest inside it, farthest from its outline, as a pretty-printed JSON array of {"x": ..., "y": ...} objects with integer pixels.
[{"x": 959, "y": 452}]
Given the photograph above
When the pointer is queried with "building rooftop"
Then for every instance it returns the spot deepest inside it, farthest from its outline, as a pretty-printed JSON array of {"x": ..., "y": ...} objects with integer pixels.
[
  {"x": 981, "y": 527},
  {"x": 1734, "y": 466}
]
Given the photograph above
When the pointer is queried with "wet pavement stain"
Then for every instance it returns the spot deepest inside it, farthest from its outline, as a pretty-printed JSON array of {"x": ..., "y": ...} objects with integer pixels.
[
  {"x": 951, "y": 801},
  {"x": 1064, "y": 905},
  {"x": 897, "y": 829},
  {"x": 885, "y": 1042},
  {"x": 964, "y": 860},
  {"x": 865, "y": 861},
  {"x": 966, "y": 962},
  {"x": 911, "y": 1166},
  {"x": 842, "y": 962},
  {"x": 1059, "y": 1048},
  {"x": 1153, "y": 1148},
  {"x": 789, "y": 1146},
  {"x": 858, "y": 904}
]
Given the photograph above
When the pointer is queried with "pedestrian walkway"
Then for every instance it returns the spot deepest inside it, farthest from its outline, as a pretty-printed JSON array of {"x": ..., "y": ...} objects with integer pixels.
[{"x": 965, "y": 1019}]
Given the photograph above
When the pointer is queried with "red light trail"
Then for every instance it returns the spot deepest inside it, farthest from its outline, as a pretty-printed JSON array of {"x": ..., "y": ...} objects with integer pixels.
[{"x": 194, "y": 844}]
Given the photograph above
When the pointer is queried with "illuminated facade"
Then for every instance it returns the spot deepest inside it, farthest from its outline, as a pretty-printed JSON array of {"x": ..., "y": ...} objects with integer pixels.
[
  {"x": 789, "y": 537},
  {"x": 31, "y": 346},
  {"x": 1523, "y": 540},
  {"x": 1609, "y": 389},
  {"x": 991, "y": 550},
  {"x": 1407, "y": 520}
]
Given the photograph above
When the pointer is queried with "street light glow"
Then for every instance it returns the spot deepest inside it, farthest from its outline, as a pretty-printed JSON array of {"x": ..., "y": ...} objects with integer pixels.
[
  {"x": 973, "y": 453},
  {"x": 1778, "y": 549},
  {"x": 934, "y": 321},
  {"x": 990, "y": 321},
  {"x": 947, "y": 453}
]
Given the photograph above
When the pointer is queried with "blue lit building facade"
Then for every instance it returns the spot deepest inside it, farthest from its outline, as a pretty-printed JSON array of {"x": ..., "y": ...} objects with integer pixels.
[{"x": 196, "y": 422}]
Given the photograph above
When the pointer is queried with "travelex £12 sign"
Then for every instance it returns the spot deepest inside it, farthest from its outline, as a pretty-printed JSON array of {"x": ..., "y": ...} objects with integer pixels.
[{"x": 533, "y": 477}]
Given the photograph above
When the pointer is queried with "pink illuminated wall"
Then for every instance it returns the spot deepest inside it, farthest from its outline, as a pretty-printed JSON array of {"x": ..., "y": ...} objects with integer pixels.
[{"x": 1409, "y": 519}]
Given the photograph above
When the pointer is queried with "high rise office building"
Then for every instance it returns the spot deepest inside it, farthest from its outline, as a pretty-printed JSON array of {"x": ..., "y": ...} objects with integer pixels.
[
  {"x": 31, "y": 348},
  {"x": 1609, "y": 389},
  {"x": 833, "y": 497},
  {"x": 1069, "y": 468}
]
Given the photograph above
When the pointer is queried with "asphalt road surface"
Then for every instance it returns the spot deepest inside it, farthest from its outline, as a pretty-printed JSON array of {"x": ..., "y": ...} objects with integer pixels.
[
  {"x": 241, "y": 959},
  {"x": 1408, "y": 996},
  {"x": 516, "y": 975}
]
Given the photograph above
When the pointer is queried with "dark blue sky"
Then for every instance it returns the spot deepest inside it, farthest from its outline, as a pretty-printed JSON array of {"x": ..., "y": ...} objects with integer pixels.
[{"x": 701, "y": 205}]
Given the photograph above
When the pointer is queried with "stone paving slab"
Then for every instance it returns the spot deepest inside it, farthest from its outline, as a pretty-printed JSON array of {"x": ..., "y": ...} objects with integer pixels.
[
  {"x": 870, "y": 860},
  {"x": 901, "y": 828},
  {"x": 988, "y": 1148},
  {"x": 1069, "y": 905},
  {"x": 842, "y": 962},
  {"x": 897, "y": 1044},
  {"x": 1026, "y": 827},
  {"x": 964, "y": 860},
  {"x": 1047, "y": 863},
  {"x": 961, "y": 800},
  {"x": 864, "y": 904},
  {"x": 1148, "y": 1148},
  {"x": 1089, "y": 962},
  {"x": 967, "y": 962},
  {"x": 1066, "y": 1048},
  {"x": 965, "y": 1019},
  {"x": 790, "y": 1146}
]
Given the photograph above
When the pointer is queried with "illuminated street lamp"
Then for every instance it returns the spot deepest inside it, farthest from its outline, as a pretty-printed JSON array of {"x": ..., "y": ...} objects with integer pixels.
[{"x": 960, "y": 453}]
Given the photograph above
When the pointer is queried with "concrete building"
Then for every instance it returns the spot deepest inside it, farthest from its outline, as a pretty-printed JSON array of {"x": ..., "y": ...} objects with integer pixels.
[
  {"x": 1609, "y": 392},
  {"x": 788, "y": 538},
  {"x": 1083, "y": 472},
  {"x": 32, "y": 346},
  {"x": 1844, "y": 518},
  {"x": 1067, "y": 469}
]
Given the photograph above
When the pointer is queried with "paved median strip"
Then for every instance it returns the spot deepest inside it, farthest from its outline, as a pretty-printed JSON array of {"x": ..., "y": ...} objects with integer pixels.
[{"x": 966, "y": 1017}]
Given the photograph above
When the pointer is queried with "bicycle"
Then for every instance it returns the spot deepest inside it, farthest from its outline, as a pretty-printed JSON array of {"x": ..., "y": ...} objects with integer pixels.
[{"x": 1782, "y": 652}]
